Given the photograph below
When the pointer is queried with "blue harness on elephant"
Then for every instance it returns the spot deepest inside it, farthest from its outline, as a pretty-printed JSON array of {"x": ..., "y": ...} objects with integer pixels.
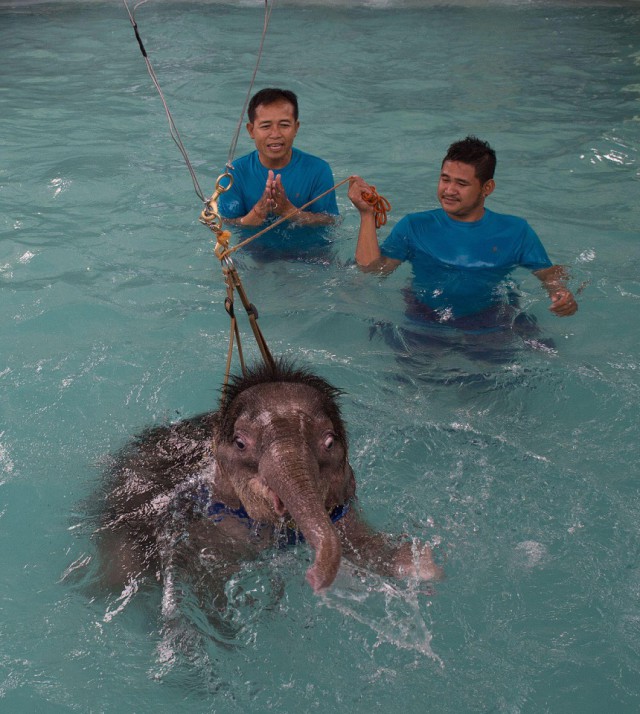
[{"x": 289, "y": 535}]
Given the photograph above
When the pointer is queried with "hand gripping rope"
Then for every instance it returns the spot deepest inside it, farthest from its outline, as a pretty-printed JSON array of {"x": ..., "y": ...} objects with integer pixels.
[{"x": 380, "y": 205}]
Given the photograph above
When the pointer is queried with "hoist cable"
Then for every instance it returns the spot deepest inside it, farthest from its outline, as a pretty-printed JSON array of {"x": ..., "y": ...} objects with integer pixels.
[
  {"x": 234, "y": 141},
  {"x": 173, "y": 129}
]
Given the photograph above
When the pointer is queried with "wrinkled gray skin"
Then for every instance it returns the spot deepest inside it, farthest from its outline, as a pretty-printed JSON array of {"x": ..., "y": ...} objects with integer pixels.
[{"x": 278, "y": 448}]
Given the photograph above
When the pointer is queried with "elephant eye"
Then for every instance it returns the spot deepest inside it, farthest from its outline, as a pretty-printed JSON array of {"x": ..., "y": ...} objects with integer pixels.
[
  {"x": 238, "y": 441},
  {"x": 329, "y": 441}
]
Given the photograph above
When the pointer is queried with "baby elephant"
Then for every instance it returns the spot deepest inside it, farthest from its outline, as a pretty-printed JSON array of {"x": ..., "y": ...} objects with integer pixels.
[{"x": 269, "y": 467}]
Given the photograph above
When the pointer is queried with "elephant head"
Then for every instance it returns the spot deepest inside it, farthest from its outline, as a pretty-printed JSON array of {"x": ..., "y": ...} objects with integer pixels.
[{"x": 281, "y": 450}]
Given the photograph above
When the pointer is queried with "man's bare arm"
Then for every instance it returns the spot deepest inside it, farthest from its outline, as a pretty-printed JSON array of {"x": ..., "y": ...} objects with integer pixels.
[
  {"x": 554, "y": 280},
  {"x": 368, "y": 255}
]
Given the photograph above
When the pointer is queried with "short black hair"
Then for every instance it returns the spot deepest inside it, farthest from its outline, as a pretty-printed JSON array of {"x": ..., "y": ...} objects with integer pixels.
[
  {"x": 475, "y": 152},
  {"x": 270, "y": 95}
]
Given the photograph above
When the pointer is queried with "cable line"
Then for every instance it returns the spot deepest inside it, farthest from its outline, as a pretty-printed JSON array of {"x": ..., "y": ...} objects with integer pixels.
[{"x": 173, "y": 129}]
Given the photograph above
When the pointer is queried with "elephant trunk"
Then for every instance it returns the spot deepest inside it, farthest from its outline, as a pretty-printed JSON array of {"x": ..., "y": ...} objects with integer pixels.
[{"x": 291, "y": 472}]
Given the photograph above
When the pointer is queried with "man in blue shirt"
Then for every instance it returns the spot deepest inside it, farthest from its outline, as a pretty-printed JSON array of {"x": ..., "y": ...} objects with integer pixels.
[
  {"x": 462, "y": 253},
  {"x": 277, "y": 178}
]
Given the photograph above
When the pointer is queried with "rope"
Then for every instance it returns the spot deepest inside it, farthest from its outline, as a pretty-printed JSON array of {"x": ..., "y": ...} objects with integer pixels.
[
  {"x": 233, "y": 282},
  {"x": 380, "y": 205},
  {"x": 211, "y": 218},
  {"x": 286, "y": 217}
]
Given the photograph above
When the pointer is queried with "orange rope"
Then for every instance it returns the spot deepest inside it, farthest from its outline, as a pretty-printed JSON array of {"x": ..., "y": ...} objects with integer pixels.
[{"x": 379, "y": 203}]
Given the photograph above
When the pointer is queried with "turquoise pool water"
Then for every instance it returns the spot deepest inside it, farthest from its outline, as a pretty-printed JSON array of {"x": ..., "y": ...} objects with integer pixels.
[{"x": 522, "y": 471}]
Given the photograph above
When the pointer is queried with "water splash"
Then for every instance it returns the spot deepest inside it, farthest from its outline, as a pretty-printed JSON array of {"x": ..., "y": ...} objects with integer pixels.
[{"x": 393, "y": 612}]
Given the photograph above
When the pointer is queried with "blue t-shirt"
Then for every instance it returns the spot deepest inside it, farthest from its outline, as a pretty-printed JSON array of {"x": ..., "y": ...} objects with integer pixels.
[
  {"x": 461, "y": 268},
  {"x": 304, "y": 177}
]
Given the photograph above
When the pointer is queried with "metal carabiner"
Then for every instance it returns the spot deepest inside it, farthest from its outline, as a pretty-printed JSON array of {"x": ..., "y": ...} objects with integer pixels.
[
  {"x": 219, "y": 187},
  {"x": 209, "y": 215}
]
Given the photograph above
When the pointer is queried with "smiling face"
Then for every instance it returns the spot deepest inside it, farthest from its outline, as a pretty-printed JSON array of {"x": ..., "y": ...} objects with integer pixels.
[
  {"x": 461, "y": 193},
  {"x": 273, "y": 130}
]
